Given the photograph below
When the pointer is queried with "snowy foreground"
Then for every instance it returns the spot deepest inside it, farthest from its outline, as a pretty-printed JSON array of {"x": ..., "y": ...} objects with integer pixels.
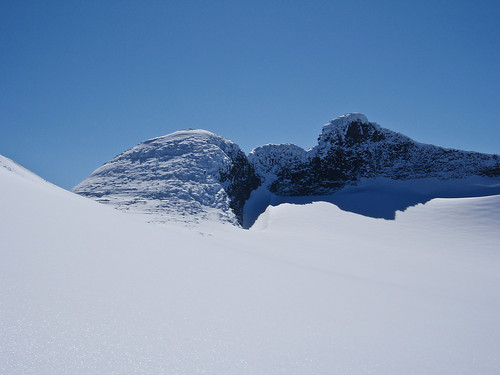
[{"x": 309, "y": 289}]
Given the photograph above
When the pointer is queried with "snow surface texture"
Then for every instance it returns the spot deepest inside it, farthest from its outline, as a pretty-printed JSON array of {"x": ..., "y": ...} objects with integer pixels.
[
  {"x": 310, "y": 289},
  {"x": 193, "y": 176},
  {"x": 187, "y": 176}
]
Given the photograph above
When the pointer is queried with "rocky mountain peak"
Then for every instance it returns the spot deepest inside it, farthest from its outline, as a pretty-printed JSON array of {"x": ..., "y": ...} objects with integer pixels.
[
  {"x": 341, "y": 123},
  {"x": 195, "y": 175},
  {"x": 350, "y": 129},
  {"x": 351, "y": 148}
]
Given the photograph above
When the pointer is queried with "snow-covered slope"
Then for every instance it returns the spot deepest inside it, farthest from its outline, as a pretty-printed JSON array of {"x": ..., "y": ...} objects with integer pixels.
[
  {"x": 12, "y": 166},
  {"x": 187, "y": 176},
  {"x": 310, "y": 289}
]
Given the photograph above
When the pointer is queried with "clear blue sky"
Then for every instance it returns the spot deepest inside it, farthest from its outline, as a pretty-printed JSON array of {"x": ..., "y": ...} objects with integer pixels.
[{"x": 82, "y": 81}]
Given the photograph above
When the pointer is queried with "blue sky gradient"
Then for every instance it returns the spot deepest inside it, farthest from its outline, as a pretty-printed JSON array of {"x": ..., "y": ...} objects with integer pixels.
[{"x": 82, "y": 81}]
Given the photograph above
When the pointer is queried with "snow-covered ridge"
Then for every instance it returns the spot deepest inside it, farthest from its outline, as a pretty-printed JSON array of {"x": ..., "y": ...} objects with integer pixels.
[
  {"x": 19, "y": 170},
  {"x": 351, "y": 148},
  {"x": 195, "y": 175}
]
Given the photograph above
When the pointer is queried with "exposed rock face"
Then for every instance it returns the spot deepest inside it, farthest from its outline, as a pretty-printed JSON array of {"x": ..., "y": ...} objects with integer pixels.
[
  {"x": 187, "y": 176},
  {"x": 239, "y": 179},
  {"x": 350, "y": 147},
  {"x": 194, "y": 175}
]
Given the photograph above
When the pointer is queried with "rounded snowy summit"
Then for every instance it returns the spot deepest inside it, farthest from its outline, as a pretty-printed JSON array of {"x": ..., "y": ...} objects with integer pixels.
[{"x": 188, "y": 176}]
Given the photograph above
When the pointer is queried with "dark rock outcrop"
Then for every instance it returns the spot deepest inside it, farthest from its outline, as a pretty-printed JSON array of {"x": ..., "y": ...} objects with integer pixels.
[{"x": 350, "y": 148}]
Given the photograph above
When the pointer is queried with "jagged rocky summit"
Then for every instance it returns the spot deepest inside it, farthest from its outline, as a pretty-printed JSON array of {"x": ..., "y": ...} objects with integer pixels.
[
  {"x": 350, "y": 148},
  {"x": 194, "y": 175}
]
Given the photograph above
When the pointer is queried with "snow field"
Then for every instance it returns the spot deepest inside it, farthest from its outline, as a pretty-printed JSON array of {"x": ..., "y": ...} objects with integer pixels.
[{"x": 310, "y": 289}]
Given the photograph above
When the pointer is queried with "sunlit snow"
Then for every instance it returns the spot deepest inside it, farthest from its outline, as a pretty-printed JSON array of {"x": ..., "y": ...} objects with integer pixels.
[{"x": 309, "y": 289}]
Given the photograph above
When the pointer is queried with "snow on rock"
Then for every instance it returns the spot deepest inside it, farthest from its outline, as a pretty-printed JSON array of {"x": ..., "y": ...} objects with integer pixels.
[
  {"x": 187, "y": 176},
  {"x": 192, "y": 176},
  {"x": 269, "y": 159},
  {"x": 351, "y": 148},
  {"x": 341, "y": 124}
]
